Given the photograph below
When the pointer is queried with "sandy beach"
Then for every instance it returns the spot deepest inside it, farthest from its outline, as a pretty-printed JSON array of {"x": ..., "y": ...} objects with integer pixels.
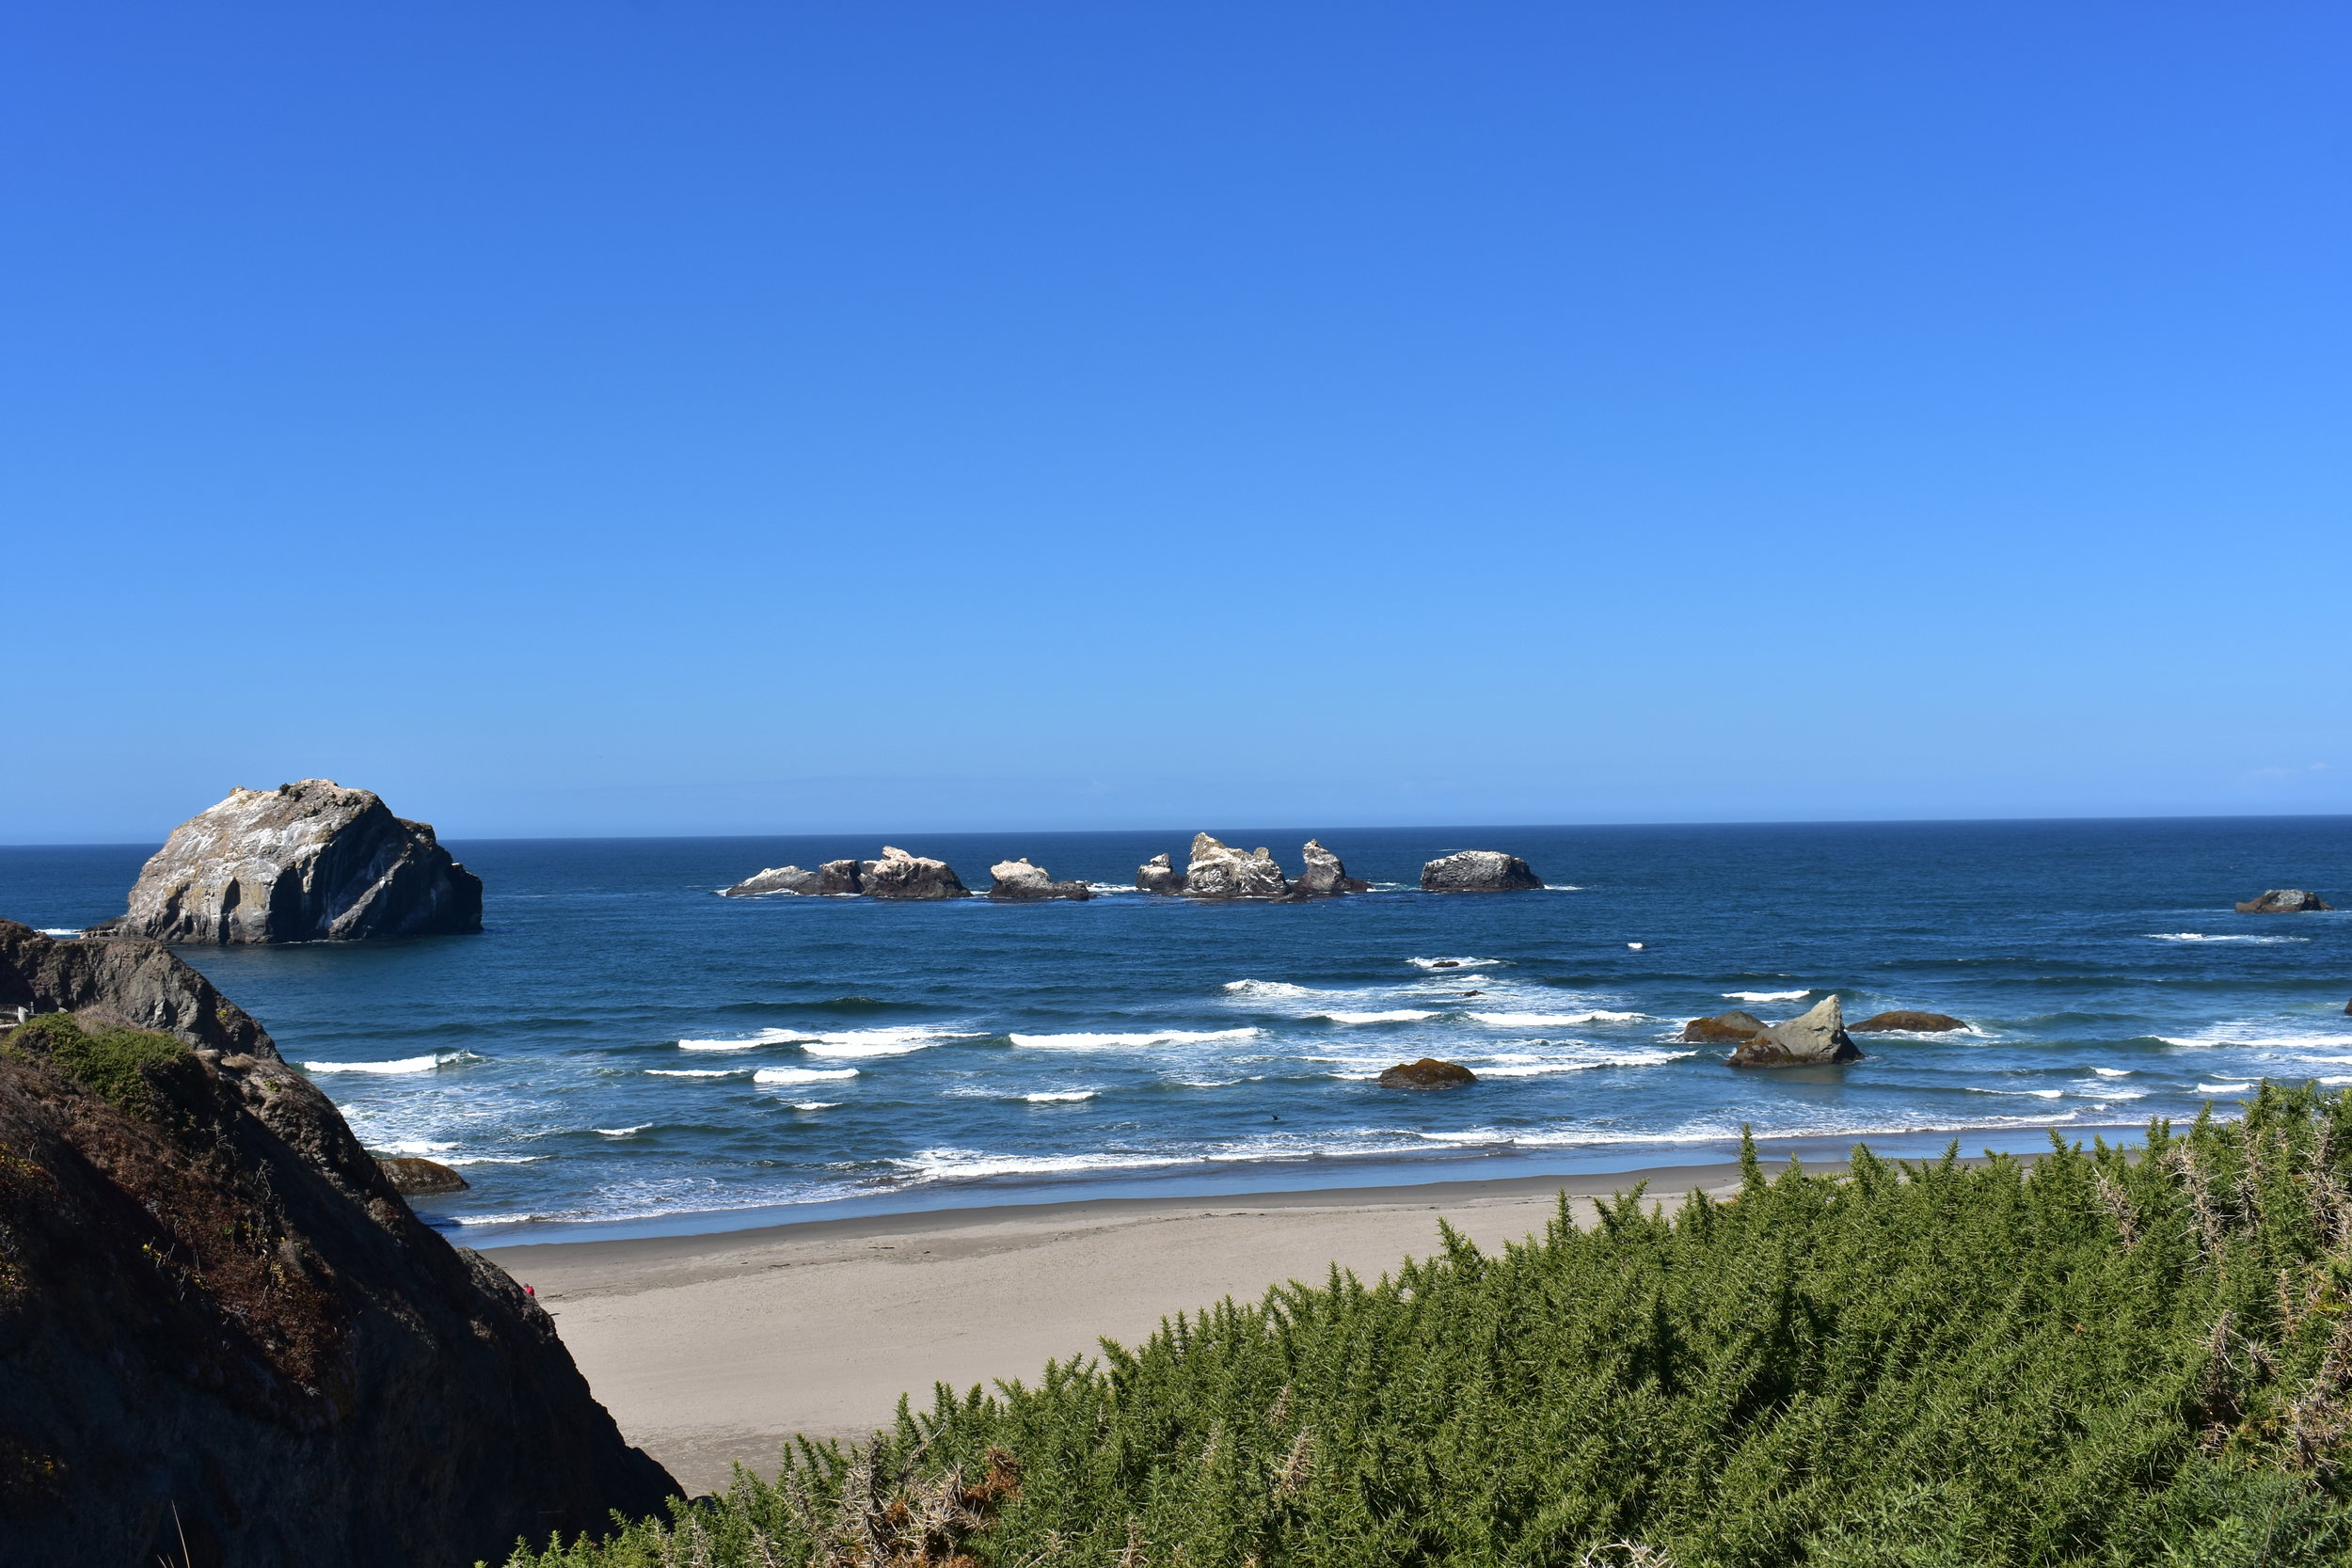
[{"x": 715, "y": 1349}]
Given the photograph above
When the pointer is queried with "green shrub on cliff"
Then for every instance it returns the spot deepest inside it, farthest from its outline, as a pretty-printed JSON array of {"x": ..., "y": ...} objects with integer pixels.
[
  {"x": 2100, "y": 1358},
  {"x": 104, "y": 1059}
]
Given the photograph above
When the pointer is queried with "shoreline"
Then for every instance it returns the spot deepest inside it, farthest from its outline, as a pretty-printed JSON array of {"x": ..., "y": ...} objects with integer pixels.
[{"x": 716, "y": 1348}]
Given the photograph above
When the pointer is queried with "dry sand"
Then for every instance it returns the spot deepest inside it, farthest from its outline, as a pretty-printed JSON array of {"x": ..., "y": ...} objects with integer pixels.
[{"x": 714, "y": 1349}]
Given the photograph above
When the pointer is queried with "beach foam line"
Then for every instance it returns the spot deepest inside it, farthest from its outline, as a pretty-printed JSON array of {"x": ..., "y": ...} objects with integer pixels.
[
  {"x": 1539, "y": 1021},
  {"x": 1458, "y": 963},
  {"x": 1156, "y": 1036},
  {"x": 947, "y": 1164},
  {"x": 1767, "y": 995},
  {"x": 406, "y": 1064},
  {"x": 801, "y": 1074},
  {"x": 1397, "y": 1015}
]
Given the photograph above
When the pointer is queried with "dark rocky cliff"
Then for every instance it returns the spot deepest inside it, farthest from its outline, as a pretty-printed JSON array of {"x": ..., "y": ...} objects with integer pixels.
[{"x": 210, "y": 1302}]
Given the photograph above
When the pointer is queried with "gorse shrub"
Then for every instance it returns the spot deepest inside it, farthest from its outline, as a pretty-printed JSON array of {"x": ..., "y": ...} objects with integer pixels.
[
  {"x": 2106, "y": 1356},
  {"x": 107, "y": 1060}
]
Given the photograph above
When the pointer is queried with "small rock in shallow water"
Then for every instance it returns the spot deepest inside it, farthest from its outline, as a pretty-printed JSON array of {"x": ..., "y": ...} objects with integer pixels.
[
  {"x": 1908, "y": 1022},
  {"x": 1427, "y": 1073},
  {"x": 414, "y": 1178},
  {"x": 1816, "y": 1038},
  {"x": 2284, "y": 900},
  {"x": 1723, "y": 1029}
]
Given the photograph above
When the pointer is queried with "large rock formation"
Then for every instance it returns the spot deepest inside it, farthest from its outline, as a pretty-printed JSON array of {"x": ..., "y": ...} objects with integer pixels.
[
  {"x": 1814, "y": 1039},
  {"x": 1221, "y": 871},
  {"x": 1427, "y": 1073},
  {"x": 837, "y": 879},
  {"x": 781, "y": 878},
  {"x": 1157, "y": 876},
  {"x": 1018, "y": 882},
  {"x": 1723, "y": 1029},
  {"x": 899, "y": 874},
  {"x": 1324, "y": 876},
  {"x": 212, "y": 1301},
  {"x": 1907, "y": 1023},
  {"x": 306, "y": 861},
  {"x": 2284, "y": 900},
  {"x": 1478, "y": 871}
]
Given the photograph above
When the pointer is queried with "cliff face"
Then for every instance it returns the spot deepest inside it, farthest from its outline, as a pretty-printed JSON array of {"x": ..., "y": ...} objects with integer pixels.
[
  {"x": 210, "y": 1302},
  {"x": 306, "y": 861}
]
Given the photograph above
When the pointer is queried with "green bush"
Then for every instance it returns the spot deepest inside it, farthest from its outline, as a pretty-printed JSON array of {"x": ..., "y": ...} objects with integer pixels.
[
  {"x": 106, "y": 1060},
  {"x": 2102, "y": 1358}
]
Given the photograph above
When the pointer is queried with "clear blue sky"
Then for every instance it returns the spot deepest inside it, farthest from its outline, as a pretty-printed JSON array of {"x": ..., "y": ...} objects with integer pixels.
[{"x": 701, "y": 418}]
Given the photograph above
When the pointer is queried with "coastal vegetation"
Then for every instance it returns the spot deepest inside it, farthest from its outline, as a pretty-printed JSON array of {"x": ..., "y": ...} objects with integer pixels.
[
  {"x": 2101, "y": 1357},
  {"x": 109, "y": 1061}
]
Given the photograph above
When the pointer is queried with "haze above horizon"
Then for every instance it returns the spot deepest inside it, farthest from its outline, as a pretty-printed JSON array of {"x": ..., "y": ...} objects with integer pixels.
[{"x": 693, "y": 418}]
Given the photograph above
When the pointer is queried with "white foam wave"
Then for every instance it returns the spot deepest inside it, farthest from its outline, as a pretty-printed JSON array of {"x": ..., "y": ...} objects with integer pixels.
[
  {"x": 1268, "y": 987},
  {"x": 1070, "y": 1096},
  {"x": 496, "y": 1219},
  {"x": 1524, "y": 1068},
  {"x": 766, "y": 1036},
  {"x": 493, "y": 1160},
  {"x": 800, "y": 1074},
  {"x": 2221, "y": 1035},
  {"x": 1156, "y": 1036},
  {"x": 694, "y": 1072},
  {"x": 815, "y": 1104},
  {"x": 2200, "y": 935},
  {"x": 1395, "y": 1015},
  {"x": 406, "y": 1064},
  {"x": 1102, "y": 889},
  {"x": 1460, "y": 963},
  {"x": 2020, "y": 1094},
  {"x": 60, "y": 930},
  {"x": 934, "y": 1164},
  {"x": 897, "y": 1040},
  {"x": 2112, "y": 1072},
  {"x": 416, "y": 1148},
  {"x": 621, "y": 1131},
  {"x": 1539, "y": 1021},
  {"x": 2223, "y": 1089},
  {"x": 1766, "y": 995}
]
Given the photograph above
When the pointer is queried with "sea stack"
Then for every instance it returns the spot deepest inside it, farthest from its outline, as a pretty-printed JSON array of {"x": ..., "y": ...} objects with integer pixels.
[
  {"x": 1818, "y": 1039},
  {"x": 1158, "y": 875},
  {"x": 1221, "y": 871},
  {"x": 899, "y": 874},
  {"x": 781, "y": 879},
  {"x": 216, "y": 1301},
  {"x": 1324, "y": 876},
  {"x": 1427, "y": 1073},
  {"x": 306, "y": 861},
  {"x": 1018, "y": 882},
  {"x": 2284, "y": 900},
  {"x": 1478, "y": 871}
]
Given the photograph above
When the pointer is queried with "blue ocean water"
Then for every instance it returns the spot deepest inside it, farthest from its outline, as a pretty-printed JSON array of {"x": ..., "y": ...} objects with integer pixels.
[{"x": 621, "y": 1048}]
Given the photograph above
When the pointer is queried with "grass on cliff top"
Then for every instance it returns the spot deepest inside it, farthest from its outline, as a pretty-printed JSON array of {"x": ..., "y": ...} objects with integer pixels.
[
  {"x": 2100, "y": 1358},
  {"x": 106, "y": 1061}
]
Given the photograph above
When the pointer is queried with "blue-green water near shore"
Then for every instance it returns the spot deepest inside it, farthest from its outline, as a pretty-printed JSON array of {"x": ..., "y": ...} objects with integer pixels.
[{"x": 623, "y": 1050}]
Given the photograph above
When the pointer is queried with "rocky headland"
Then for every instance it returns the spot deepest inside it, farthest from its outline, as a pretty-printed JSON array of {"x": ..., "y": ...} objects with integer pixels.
[
  {"x": 306, "y": 861},
  {"x": 1816, "y": 1038},
  {"x": 1018, "y": 882},
  {"x": 218, "y": 1318},
  {"x": 1478, "y": 871}
]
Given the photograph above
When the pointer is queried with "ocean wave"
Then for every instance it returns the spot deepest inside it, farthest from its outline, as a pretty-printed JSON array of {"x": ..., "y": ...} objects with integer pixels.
[
  {"x": 621, "y": 1131},
  {"x": 1397, "y": 1015},
  {"x": 1268, "y": 987},
  {"x": 1523, "y": 1068},
  {"x": 60, "y": 930},
  {"x": 494, "y": 1159},
  {"x": 2112, "y": 1072},
  {"x": 1767, "y": 995},
  {"x": 1156, "y": 1036},
  {"x": 406, "y": 1064},
  {"x": 948, "y": 1165},
  {"x": 1061, "y": 1096},
  {"x": 1460, "y": 963},
  {"x": 415, "y": 1148},
  {"x": 496, "y": 1219},
  {"x": 815, "y": 1104},
  {"x": 1539, "y": 1021},
  {"x": 2020, "y": 1093},
  {"x": 2221, "y": 1035},
  {"x": 801, "y": 1074},
  {"x": 766, "y": 1036},
  {"x": 1103, "y": 889},
  {"x": 696, "y": 1071},
  {"x": 2200, "y": 935},
  {"x": 2224, "y": 1088},
  {"x": 897, "y": 1040}
]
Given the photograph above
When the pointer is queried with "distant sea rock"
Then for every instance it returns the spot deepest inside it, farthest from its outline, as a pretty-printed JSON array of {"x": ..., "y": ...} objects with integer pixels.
[
  {"x": 1907, "y": 1023},
  {"x": 781, "y": 879},
  {"x": 837, "y": 879},
  {"x": 1158, "y": 875},
  {"x": 1018, "y": 882},
  {"x": 1221, "y": 871},
  {"x": 899, "y": 874},
  {"x": 1723, "y": 1029},
  {"x": 306, "y": 861},
  {"x": 413, "y": 1177},
  {"x": 215, "y": 1300},
  {"x": 2284, "y": 900},
  {"x": 1816, "y": 1038},
  {"x": 1478, "y": 871},
  {"x": 1427, "y": 1073},
  {"x": 1324, "y": 876}
]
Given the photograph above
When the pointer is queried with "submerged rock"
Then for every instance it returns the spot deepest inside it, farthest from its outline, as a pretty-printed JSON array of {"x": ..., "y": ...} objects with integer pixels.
[
  {"x": 214, "y": 1299},
  {"x": 837, "y": 879},
  {"x": 1158, "y": 875},
  {"x": 781, "y": 879},
  {"x": 413, "y": 1177},
  {"x": 1324, "y": 876},
  {"x": 899, "y": 874},
  {"x": 1908, "y": 1022},
  {"x": 306, "y": 861},
  {"x": 1478, "y": 871},
  {"x": 1427, "y": 1073},
  {"x": 1723, "y": 1029},
  {"x": 1221, "y": 871},
  {"x": 1816, "y": 1038},
  {"x": 1018, "y": 882},
  {"x": 2284, "y": 900}
]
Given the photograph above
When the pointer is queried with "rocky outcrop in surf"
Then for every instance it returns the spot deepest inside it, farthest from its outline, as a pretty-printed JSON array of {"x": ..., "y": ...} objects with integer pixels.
[
  {"x": 306, "y": 861},
  {"x": 899, "y": 874},
  {"x": 218, "y": 1318},
  {"x": 1816, "y": 1038},
  {"x": 1427, "y": 1073},
  {"x": 1723, "y": 1029},
  {"x": 1018, "y": 882},
  {"x": 1221, "y": 871},
  {"x": 1158, "y": 875},
  {"x": 2284, "y": 900},
  {"x": 1324, "y": 876},
  {"x": 1902, "y": 1020},
  {"x": 1478, "y": 871},
  {"x": 781, "y": 879},
  {"x": 413, "y": 1177}
]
